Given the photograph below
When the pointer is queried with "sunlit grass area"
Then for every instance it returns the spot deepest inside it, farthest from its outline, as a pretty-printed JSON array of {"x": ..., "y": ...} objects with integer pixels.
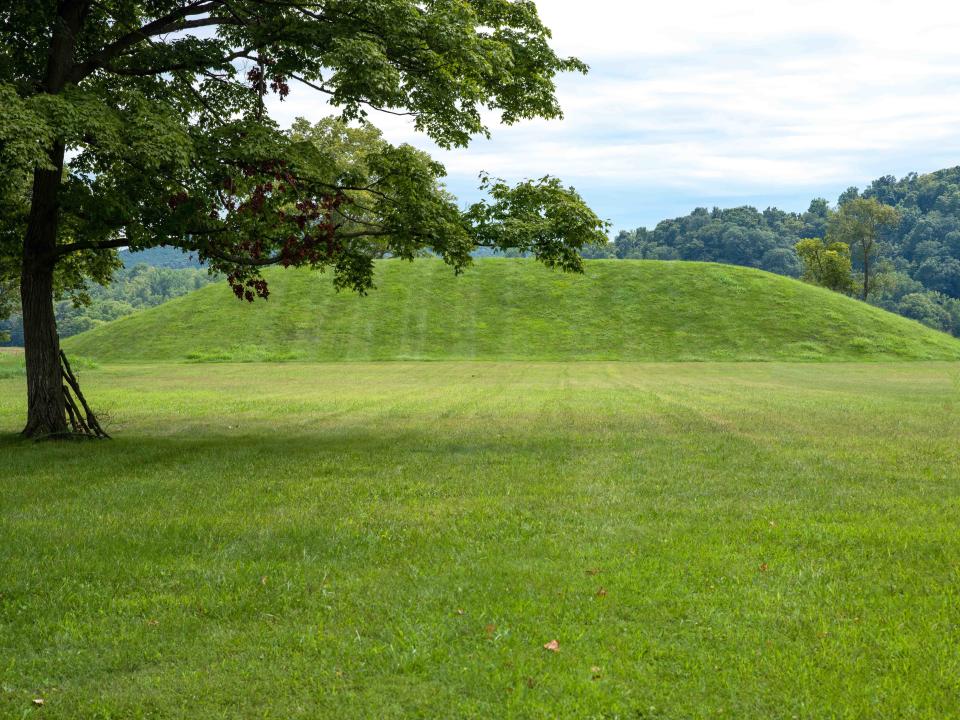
[{"x": 402, "y": 539}]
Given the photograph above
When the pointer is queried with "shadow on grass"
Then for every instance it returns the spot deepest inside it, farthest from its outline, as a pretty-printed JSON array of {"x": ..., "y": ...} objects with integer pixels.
[{"x": 226, "y": 453}]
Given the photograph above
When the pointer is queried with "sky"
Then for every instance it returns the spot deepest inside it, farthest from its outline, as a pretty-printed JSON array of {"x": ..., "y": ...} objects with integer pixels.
[{"x": 702, "y": 103}]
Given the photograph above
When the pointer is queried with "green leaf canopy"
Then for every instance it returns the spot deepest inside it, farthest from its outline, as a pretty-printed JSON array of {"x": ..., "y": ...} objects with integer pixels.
[{"x": 160, "y": 107}]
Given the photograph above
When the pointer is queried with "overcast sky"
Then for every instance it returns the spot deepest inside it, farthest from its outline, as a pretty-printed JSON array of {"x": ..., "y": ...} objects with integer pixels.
[{"x": 700, "y": 103}]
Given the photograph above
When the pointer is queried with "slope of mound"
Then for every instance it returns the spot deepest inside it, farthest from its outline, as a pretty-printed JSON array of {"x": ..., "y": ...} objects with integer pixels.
[{"x": 517, "y": 309}]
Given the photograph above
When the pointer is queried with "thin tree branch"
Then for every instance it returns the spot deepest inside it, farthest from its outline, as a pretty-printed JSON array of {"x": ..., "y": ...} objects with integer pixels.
[
  {"x": 321, "y": 88},
  {"x": 91, "y": 245},
  {"x": 167, "y": 23},
  {"x": 175, "y": 67}
]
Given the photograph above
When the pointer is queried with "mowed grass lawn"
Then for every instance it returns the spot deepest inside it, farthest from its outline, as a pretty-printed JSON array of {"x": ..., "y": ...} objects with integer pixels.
[{"x": 401, "y": 540}]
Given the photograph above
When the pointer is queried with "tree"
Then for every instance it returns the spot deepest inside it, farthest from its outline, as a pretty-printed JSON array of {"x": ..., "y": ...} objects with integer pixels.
[
  {"x": 940, "y": 273},
  {"x": 160, "y": 108},
  {"x": 815, "y": 219},
  {"x": 851, "y": 193},
  {"x": 825, "y": 265},
  {"x": 857, "y": 223},
  {"x": 782, "y": 261},
  {"x": 922, "y": 307}
]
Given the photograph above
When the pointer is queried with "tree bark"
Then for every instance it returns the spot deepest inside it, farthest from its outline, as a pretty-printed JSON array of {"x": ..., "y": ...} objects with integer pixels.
[
  {"x": 45, "y": 404},
  {"x": 866, "y": 274}
]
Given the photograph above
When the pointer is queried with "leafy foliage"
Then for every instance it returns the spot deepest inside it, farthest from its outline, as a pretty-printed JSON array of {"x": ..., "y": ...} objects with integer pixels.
[
  {"x": 858, "y": 224},
  {"x": 826, "y": 264},
  {"x": 162, "y": 107},
  {"x": 896, "y": 291},
  {"x": 739, "y": 236}
]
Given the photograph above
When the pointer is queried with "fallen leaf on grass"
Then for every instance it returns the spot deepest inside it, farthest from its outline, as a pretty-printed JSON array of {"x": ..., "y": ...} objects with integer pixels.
[
  {"x": 552, "y": 646},
  {"x": 38, "y": 702},
  {"x": 491, "y": 629},
  {"x": 595, "y": 673},
  {"x": 459, "y": 611},
  {"x": 602, "y": 592},
  {"x": 764, "y": 567},
  {"x": 531, "y": 683},
  {"x": 593, "y": 571}
]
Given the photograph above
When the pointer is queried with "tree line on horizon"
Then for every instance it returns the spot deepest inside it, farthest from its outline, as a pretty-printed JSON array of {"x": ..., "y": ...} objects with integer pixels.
[{"x": 915, "y": 263}]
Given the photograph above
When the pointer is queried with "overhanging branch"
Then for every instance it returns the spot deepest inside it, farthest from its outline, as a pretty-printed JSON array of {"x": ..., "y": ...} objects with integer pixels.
[
  {"x": 173, "y": 21},
  {"x": 63, "y": 250}
]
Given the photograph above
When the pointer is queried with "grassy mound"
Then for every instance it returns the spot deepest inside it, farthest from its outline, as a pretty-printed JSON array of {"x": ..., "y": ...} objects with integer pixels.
[{"x": 516, "y": 309}]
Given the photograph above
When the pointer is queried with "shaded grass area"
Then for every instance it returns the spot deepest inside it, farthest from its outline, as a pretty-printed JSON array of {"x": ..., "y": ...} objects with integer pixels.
[
  {"x": 401, "y": 539},
  {"x": 13, "y": 365},
  {"x": 517, "y": 309}
]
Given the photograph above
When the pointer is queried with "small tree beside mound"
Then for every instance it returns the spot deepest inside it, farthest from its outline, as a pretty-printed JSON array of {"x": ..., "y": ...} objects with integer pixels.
[
  {"x": 858, "y": 223},
  {"x": 825, "y": 264}
]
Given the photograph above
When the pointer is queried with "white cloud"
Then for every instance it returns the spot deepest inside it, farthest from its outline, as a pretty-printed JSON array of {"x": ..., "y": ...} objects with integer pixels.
[{"x": 744, "y": 99}]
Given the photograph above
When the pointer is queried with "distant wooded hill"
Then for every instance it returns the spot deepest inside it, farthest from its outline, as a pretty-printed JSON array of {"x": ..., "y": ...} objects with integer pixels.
[
  {"x": 147, "y": 279},
  {"x": 920, "y": 257},
  {"x": 161, "y": 257}
]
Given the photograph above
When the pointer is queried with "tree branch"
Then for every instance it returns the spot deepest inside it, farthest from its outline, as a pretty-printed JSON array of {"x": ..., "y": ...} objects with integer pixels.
[
  {"x": 321, "y": 88},
  {"x": 91, "y": 245},
  {"x": 277, "y": 259},
  {"x": 175, "y": 67},
  {"x": 167, "y": 23}
]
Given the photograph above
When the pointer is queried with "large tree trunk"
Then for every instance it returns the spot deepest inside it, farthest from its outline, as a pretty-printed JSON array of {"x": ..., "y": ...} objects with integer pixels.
[
  {"x": 45, "y": 408},
  {"x": 45, "y": 399}
]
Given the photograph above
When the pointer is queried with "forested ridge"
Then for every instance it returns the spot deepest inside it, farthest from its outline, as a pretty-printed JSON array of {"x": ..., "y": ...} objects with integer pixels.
[
  {"x": 919, "y": 271},
  {"x": 147, "y": 279}
]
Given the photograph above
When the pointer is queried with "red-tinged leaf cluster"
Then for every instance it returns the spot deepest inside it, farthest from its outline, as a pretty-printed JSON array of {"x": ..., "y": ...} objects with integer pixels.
[
  {"x": 257, "y": 77},
  {"x": 177, "y": 199},
  {"x": 256, "y": 80},
  {"x": 278, "y": 84},
  {"x": 247, "y": 287},
  {"x": 316, "y": 241},
  {"x": 275, "y": 221},
  {"x": 274, "y": 178}
]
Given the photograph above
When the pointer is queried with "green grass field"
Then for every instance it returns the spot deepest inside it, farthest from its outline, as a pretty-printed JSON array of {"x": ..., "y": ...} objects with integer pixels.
[
  {"x": 394, "y": 540},
  {"x": 518, "y": 310}
]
